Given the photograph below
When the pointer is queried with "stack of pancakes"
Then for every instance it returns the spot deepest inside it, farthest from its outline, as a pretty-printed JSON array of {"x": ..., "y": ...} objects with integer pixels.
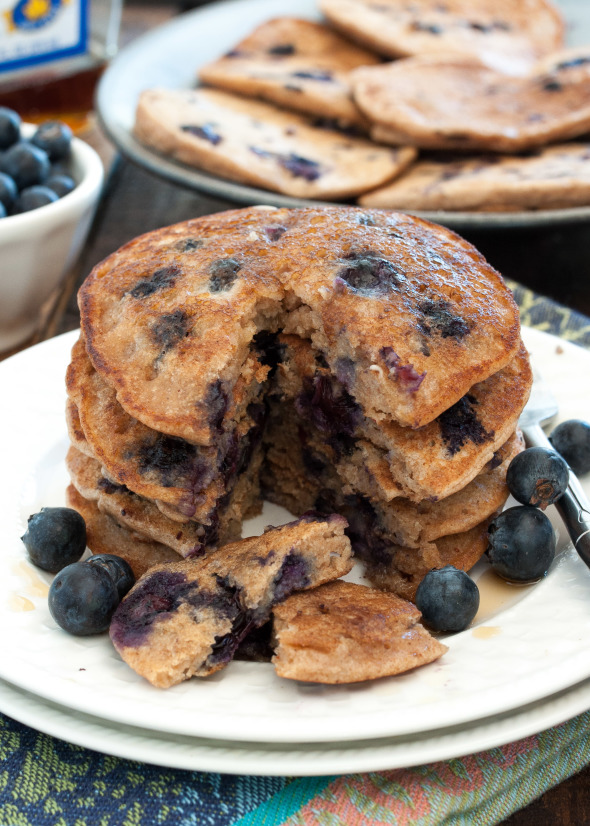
[{"x": 352, "y": 361}]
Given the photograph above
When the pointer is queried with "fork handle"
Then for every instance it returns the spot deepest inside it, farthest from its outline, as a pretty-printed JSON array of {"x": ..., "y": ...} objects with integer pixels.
[{"x": 573, "y": 506}]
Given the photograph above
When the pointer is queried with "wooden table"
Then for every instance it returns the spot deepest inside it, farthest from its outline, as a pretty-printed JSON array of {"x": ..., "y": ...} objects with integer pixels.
[{"x": 555, "y": 263}]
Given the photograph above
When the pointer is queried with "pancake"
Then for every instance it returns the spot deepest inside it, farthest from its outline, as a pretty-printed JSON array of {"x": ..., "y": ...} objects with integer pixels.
[
  {"x": 105, "y": 536},
  {"x": 506, "y": 34},
  {"x": 400, "y": 570},
  {"x": 141, "y": 515},
  {"x": 261, "y": 145},
  {"x": 293, "y": 63},
  {"x": 186, "y": 481},
  {"x": 433, "y": 461},
  {"x": 346, "y": 633},
  {"x": 409, "y": 311},
  {"x": 454, "y": 102},
  {"x": 554, "y": 177}
]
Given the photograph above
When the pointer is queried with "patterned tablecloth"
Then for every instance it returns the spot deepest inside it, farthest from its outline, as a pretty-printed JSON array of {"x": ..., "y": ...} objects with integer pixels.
[{"x": 47, "y": 782}]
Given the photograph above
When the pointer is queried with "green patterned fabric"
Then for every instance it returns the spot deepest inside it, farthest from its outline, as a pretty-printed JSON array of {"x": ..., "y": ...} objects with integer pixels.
[{"x": 47, "y": 782}]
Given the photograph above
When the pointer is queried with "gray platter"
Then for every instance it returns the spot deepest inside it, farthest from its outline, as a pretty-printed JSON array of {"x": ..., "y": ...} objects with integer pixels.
[{"x": 170, "y": 55}]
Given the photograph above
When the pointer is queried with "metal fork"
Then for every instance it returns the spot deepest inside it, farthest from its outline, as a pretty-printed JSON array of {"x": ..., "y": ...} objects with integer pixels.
[{"x": 573, "y": 506}]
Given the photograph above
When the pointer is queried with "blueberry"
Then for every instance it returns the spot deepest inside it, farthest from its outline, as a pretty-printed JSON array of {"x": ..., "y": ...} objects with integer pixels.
[
  {"x": 448, "y": 599},
  {"x": 572, "y": 440},
  {"x": 60, "y": 184},
  {"x": 55, "y": 537},
  {"x": 33, "y": 197},
  {"x": 55, "y": 138},
  {"x": 118, "y": 569},
  {"x": 521, "y": 544},
  {"x": 8, "y": 190},
  {"x": 26, "y": 164},
  {"x": 83, "y": 598},
  {"x": 9, "y": 127},
  {"x": 3, "y": 212},
  {"x": 537, "y": 476}
]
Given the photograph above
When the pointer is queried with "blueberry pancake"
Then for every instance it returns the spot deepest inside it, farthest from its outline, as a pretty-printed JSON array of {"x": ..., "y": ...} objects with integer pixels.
[
  {"x": 409, "y": 314},
  {"x": 554, "y": 177},
  {"x": 293, "y": 63},
  {"x": 187, "y": 618},
  {"x": 346, "y": 633},
  {"x": 409, "y": 101},
  {"x": 186, "y": 481},
  {"x": 507, "y": 34},
  {"x": 104, "y": 535},
  {"x": 433, "y": 461},
  {"x": 400, "y": 570},
  {"x": 258, "y": 144},
  {"x": 141, "y": 515}
]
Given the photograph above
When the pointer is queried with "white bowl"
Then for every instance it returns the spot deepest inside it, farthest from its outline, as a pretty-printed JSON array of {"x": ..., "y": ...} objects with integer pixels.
[{"x": 37, "y": 247}]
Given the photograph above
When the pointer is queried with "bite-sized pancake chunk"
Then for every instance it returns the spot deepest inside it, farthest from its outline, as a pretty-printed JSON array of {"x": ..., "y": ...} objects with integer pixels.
[
  {"x": 258, "y": 144},
  {"x": 346, "y": 633},
  {"x": 410, "y": 313},
  {"x": 187, "y": 619},
  {"x": 509, "y": 34},
  {"x": 447, "y": 102},
  {"x": 555, "y": 177},
  {"x": 295, "y": 63}
]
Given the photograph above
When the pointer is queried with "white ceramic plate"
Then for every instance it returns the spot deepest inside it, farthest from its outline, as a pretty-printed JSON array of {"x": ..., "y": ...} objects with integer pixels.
[
  {"x": 198, "y": 754},
  {"x": 528, "y": 643},
  {"x": 170, "y": 56}
]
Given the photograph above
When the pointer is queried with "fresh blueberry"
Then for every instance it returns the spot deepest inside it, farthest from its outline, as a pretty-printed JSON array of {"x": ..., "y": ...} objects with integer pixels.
[
  {"x": 448, "y": 599},
  {"x": 9, "y": 127},
  {"x": 60, "y": 184},
  {"x": 3, "y": 212},
  {"x": 26, "y": 164},
  {"x": 83, "y": 598},
  {"x": 521, "y": 544},
  {"x": 117, "y": 568},
  {"x": 537, "y": 476},
  {"x": 33, "y": 197},
  {"x": 55, "y": 138},
  {"x": 572, "y": 440},
  {"x": 8, "y": 190},
  {"x": 55, "y": 537}
]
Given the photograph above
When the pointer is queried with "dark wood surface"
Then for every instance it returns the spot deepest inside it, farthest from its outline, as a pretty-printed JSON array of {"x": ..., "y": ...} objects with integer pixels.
[{"x": 553, "y": 262}]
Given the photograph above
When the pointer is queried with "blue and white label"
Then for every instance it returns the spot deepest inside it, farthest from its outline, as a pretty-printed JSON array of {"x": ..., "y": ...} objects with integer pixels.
[{"x": 34, "y": 32}]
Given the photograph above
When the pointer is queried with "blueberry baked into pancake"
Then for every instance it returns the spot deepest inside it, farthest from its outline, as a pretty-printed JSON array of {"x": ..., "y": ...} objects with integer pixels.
[{"x": 363, "y": 369}]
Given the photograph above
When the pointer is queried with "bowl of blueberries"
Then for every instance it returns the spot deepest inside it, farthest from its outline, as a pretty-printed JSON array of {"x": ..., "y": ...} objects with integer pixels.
[{"x": 50, "y": 183}]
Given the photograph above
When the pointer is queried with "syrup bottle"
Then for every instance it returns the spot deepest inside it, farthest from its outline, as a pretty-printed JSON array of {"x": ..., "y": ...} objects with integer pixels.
[{"x": 52, "y": 53}]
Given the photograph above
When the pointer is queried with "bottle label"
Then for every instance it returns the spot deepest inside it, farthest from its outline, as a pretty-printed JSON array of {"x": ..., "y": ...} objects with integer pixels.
[{"x": 34, "y": 32}]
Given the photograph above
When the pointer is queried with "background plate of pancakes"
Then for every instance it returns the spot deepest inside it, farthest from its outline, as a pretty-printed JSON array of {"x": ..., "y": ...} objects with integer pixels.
[
  {"x": 170, "y": 57},
  {"x": 526, "y": 645}
]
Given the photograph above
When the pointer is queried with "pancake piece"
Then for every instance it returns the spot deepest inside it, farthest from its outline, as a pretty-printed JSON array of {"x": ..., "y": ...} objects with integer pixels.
[
  {"x": 260, "y": 145},
  {"x": 188, "y": 618},
  {"x": 447, "y": 102},
  {"x": 293, "y": 63},
  {"x": 409, "y": 315},
  {"x": 506, "y": 34},
  {"x": 346, "y": 633},
  {"x": 555, "y": 177}
]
